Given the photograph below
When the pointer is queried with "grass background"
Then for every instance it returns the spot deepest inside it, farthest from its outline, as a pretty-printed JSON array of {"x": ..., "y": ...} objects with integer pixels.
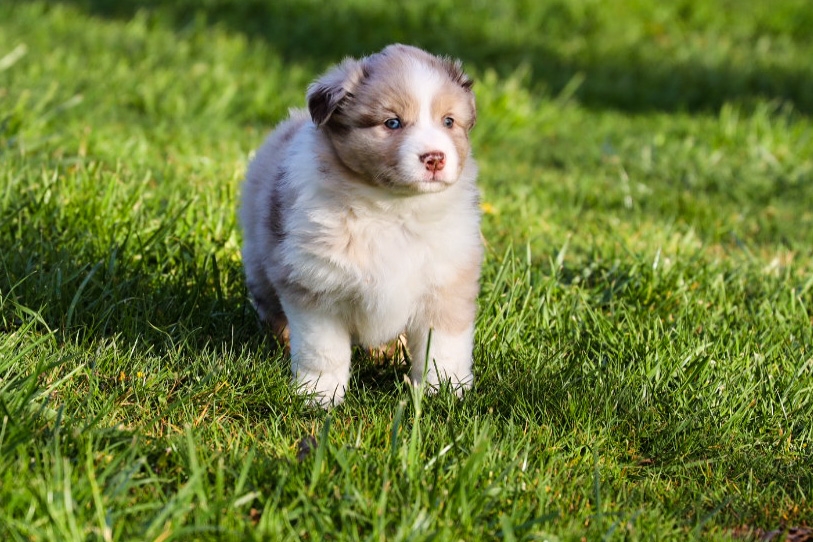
[{"x": 644, "y": 339}]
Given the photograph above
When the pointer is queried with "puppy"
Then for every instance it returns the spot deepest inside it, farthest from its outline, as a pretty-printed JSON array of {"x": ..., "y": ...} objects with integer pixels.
[{"x": 361, "y": 221}]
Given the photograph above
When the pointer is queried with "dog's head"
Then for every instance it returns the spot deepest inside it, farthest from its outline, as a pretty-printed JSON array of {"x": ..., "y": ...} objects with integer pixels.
[{"x": 399, "y": 118}]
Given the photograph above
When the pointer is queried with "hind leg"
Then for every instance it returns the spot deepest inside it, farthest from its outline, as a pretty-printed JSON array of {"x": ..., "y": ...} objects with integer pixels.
[{"x": 269, "y": 308}]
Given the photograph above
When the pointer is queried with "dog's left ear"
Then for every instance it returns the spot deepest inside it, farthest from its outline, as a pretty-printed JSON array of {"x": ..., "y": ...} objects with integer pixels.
[
  {"x": 327, "y": 93},
  {"x": 455, "y": 70}
]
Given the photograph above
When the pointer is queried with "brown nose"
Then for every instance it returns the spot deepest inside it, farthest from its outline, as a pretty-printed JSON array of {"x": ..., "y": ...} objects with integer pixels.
[{"x": 434, "y": 161}]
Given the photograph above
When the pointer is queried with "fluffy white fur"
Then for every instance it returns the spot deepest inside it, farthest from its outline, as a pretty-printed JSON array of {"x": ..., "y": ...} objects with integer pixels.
[{"x": 356, "y": 229}]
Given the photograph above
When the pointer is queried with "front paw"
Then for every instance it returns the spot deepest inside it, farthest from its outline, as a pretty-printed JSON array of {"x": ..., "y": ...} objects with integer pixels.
[
  {"x": 323, "y": 388},
  {"x": 434, "y": 379}
]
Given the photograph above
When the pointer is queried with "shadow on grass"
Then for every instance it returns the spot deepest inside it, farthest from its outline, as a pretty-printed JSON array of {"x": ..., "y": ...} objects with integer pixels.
[
  {"x": 143, "y": 287},
  {"x": 622, "y": 79},
  {"x": 152, "y": 295}
]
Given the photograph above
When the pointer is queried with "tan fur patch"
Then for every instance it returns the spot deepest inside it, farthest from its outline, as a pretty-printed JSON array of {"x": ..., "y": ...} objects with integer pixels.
[
  {"x": 458, "y": 104},
  {"x": 453, "y": 307}
]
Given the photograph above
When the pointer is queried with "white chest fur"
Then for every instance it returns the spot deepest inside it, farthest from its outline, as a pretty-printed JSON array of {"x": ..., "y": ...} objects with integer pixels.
[{"x": 371, "y": 260}]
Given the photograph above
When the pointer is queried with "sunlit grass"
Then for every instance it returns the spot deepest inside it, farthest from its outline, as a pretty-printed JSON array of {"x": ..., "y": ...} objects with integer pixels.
[{"x": 644, "y": 354}]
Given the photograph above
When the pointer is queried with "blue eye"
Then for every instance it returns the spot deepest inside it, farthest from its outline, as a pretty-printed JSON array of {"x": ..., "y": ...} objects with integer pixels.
[
  {"x": 448, "y": 122},
  {"x": 393, "y": 124}
]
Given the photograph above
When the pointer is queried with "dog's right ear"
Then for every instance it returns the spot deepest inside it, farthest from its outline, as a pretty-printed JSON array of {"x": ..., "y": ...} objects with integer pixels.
[{"x": 327, "y": 93}]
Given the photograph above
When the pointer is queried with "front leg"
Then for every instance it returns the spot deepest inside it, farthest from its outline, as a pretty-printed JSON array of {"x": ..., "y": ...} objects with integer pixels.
[
  {"x": 441, "y": 355},
  {"x": 441, "y": 334},
  {"x": 320, "y": 354}
]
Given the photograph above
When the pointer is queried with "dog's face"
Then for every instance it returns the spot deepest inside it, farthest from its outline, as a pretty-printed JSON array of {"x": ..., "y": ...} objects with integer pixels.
[{"x": 400, "y": 118}]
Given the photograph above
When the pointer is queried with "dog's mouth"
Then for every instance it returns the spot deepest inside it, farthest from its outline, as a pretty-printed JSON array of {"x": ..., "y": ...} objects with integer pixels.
[
  {"x": 421, "y": 185},
  {"x": 433, "y": 178},
  {"x": 434, "y": 183},
  {"x": 431, "y": 181}
]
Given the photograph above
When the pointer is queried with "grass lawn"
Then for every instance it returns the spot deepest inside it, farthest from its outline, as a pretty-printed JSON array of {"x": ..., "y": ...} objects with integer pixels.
[{"x": 644, "y": 352}]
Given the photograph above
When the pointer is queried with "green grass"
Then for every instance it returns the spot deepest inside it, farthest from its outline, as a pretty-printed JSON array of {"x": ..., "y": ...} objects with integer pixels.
[{"x": 644, "y": 354}]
